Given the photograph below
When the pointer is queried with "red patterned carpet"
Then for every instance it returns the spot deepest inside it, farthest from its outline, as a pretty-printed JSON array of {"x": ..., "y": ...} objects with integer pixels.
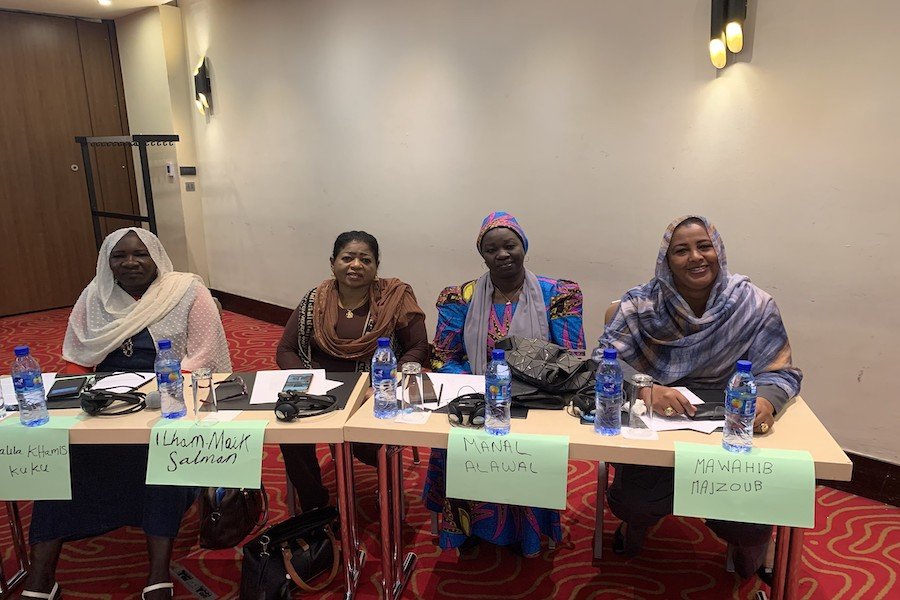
[{"x": 853, "y": 552}]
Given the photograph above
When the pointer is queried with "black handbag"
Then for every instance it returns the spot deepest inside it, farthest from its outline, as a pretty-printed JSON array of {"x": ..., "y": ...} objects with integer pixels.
[
  {"x": 228, "y": 515},
  {"x": 289, "y": 555},
  {"x": 545, "y": 374}
]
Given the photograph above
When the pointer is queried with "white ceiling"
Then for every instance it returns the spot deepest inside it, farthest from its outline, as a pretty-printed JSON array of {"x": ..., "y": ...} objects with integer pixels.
[{"x": 81, "y": 8}]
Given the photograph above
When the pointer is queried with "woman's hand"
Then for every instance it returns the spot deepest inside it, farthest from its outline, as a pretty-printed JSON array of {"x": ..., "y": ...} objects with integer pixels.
[
  {"x": 765, "y": 416},
  {"x": 669, "y": 401}
]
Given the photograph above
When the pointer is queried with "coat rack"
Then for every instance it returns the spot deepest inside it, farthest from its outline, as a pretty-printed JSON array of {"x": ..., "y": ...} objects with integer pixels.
[{"x": 141, "y": 142}]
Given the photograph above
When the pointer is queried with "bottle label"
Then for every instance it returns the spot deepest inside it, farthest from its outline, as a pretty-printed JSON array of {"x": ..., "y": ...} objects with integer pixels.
[
  {"x": 381, "y": 373},
  {"x": 743, "y": 405},
  {"x": 167, "y": 377},
  {"x": 23, "y": 383}
]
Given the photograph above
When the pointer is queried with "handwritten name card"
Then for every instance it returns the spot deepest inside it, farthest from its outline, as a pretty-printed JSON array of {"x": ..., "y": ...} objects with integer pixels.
[
  {"x": 34, "y": 461},
  {"x": 518, "y": 468},
  {"x": 214, "y": 454},
  {"x": 772, "y": 487}
]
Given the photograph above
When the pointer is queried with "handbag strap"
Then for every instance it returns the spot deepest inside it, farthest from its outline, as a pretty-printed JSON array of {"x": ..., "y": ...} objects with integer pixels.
[
  {"x": 261, "y": 522},
  {"x": 295, "y": 577}
]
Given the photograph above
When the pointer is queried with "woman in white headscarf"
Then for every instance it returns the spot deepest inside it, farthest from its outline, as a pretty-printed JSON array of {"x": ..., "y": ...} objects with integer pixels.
[{"x": 135, "y": 300}]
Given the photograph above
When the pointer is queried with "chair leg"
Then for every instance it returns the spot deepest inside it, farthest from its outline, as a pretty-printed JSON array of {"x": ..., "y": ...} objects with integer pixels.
[
  {"x": 602, "y": 481},
  {"x": 415, "y": 450},
  {"x": 435, "y": 524}
]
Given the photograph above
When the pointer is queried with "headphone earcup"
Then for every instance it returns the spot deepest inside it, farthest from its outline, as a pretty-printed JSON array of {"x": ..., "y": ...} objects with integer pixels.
[
  {"x": 285, "y": 410},
  {"x": 454, "y": 415},
  {"x": 477, "y": 418}
]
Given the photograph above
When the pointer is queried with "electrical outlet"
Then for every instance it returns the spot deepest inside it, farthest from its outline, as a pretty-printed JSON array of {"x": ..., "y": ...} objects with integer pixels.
[{"x": 190, "y": 186}]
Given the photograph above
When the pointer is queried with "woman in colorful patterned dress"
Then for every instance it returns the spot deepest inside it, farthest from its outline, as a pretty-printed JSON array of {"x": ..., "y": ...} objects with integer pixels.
[{"x": 508, "y": 300}]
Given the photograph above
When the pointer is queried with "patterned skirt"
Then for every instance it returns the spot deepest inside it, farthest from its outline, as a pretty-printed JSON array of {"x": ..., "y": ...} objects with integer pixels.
[{"x": 501, "y": 524}]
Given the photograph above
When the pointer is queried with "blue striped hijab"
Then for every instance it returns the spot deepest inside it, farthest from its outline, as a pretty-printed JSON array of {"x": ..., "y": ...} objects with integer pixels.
[{"x": 656, "y": 332}]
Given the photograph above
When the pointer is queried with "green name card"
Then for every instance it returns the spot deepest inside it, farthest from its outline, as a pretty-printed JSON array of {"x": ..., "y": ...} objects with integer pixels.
[
  {"x": 518, "y": 468},
  {"x": 214, "y": 454},
  {"x": 771, "y": 487},
  {"x": 34, "y": 461}
]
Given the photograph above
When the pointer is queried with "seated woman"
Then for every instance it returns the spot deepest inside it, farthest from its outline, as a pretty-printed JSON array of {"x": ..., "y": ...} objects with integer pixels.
[
  {"x": 508, "y": 300},
  {"x": 336, "y": 327},
  {"x": 134, "y": 300},
  {"x": 688, "y": 327}
]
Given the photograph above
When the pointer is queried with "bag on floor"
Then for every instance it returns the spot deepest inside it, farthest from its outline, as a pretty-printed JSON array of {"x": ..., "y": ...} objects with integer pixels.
[
  {"x": 229, "y": 515},
  {"x": 289, "y": 555}
]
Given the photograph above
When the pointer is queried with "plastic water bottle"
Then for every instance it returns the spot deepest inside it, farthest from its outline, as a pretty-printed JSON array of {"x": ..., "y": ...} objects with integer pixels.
[
  {"x": 2, "y": 405},
  {"x": 26, "y": 376},
  {"x": 497, "y": 388},
  {"x": 740, "y": 409},
  {"x": 384, "y": 380},
  {"x": 169, "y": 381},
  {"x": 608, "y": 395}
]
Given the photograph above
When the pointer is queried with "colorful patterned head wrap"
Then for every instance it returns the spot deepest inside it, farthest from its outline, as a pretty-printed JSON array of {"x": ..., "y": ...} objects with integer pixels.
[{"x": 501, "y": 219}]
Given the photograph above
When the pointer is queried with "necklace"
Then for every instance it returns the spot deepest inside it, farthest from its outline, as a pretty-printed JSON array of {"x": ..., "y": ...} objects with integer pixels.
[
  {"x": 349, "y": 313},
  {"x": 507, "y": 298}
]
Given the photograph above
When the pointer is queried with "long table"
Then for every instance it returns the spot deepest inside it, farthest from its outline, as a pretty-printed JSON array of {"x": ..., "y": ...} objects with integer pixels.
[
  {"x": 796, "y": 428},
  {"x": 325, "y": 429}
]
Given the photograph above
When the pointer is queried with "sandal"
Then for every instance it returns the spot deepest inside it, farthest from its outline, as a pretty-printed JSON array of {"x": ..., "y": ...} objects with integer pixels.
[
  {"x": 54, "y": 594},
  {"x": 159, "y": 586}
]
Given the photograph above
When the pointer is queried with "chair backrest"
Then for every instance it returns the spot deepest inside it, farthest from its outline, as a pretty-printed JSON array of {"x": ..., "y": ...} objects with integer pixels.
[{"x": 610, "y": 312}]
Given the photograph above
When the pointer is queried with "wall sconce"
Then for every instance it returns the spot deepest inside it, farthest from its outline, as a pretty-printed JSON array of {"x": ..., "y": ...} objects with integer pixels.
[
  {"x": 202, "y": 88},
  {"x": 726, "y": 30}
]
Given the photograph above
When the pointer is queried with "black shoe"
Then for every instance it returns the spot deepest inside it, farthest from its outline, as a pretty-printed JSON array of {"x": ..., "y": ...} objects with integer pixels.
[{"x": 630, "y": 543}]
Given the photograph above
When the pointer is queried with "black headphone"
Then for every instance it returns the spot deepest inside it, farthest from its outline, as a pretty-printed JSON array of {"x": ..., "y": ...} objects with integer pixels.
[
  {"x": 96, "y": 402},
  {"x": 466, "y": 411},
  {"x": 298, "y": 405},
  {"x": 584, "y": 404}
]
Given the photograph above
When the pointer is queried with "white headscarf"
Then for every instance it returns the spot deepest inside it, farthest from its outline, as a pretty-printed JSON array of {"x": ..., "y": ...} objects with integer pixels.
[{"x": 106, "y": 315}]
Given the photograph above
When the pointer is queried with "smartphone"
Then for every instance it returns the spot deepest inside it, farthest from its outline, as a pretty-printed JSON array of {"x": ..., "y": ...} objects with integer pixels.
[
  {"x": 66, "y": 389},
  {"x": 298, "y": 382}
]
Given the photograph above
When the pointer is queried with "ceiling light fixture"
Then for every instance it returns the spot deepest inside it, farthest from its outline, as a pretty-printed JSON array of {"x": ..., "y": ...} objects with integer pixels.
[
  {"x": 734, "y": 30},
  {"x": 104, "y": 2}
]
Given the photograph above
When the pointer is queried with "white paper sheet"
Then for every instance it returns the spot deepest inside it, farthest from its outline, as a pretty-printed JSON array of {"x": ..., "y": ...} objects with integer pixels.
[
  {"x": 663, "y": 423},
  {"x": 417, "y": 417},
  {"x": 122, "y": 382},
  {"x": 450, "y": 385},
  {"x": 268, "y": 383},
  {"x": 221, "y": 416},
  {"x": 9, "y": 392},
  {"x": 691, "y": 396}
]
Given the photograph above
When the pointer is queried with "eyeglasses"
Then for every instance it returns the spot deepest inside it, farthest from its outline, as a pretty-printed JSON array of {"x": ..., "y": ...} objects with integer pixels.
[{"x": 235, "y": 382}]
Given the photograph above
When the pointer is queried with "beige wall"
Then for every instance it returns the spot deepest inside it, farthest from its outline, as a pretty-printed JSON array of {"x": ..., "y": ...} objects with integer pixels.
[
  {"x": 595, "y": 122},
  {"x": 158, "y": 94}
]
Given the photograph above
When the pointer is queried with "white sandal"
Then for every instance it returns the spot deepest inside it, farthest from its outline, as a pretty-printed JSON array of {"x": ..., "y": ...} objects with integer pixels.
[
  {"x": 53, "y": 595},
  {"x": 159, "y": 586}
]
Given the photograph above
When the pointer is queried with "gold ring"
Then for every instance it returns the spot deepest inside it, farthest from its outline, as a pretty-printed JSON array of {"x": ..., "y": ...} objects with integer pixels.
[
  {"x": 669, "y": 411},
  {"x": 764, "y": 427}
]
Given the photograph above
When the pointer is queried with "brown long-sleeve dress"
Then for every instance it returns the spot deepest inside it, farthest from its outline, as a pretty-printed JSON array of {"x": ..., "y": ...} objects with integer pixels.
[{"x": 298, "y": 350}]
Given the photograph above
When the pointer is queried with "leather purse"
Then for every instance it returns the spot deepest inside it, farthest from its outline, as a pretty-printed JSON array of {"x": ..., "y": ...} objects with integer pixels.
[
  {"x": 545, "y": 373},
  {"x": 229, "y": 515},
  {"x": 289, "y": 555}
]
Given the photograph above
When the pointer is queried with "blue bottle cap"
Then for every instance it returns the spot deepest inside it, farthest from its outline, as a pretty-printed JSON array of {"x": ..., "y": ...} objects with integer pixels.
[
  {"x": 22, "y": 351},
  {"x": 384, "y": 342},
  {"x": 498, "y": 355},
  {"x": 744, "y": 365},
  {"x": 610, "y": 354},
  {"x": 165, "y": 344}
]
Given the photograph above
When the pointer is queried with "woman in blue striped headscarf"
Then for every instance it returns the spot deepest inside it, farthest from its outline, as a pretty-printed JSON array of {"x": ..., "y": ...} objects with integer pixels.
[{"x": 689, "y": 326}]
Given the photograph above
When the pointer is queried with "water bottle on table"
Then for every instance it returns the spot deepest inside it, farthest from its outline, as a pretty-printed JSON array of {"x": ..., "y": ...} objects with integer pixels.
[
  {"x": 26, "y": 376},
  {"x": 169, "y": 381},
  {"x": 608, "y": 395},
  {"x": 384, "y": 380},
  {"x": 497, "y": 388},
  {"x": 740, "y": 409}
]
